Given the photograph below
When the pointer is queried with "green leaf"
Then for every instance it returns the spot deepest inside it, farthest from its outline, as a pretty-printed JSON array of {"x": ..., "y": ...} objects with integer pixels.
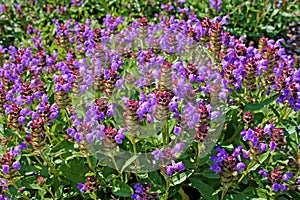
[
  {"x": 181, "y": 177},
  {"x": 258, "y": 117},
  {"x": 44, "y": 171},
  {"x": 121, "y": 189},
  {"x": 128, "y": 162},
  {"x": 75, "y": 170},
  {"x": 65, "y": 144},
  {"x": 210, "y": 174},
  {"x": 236, "y": 197},
  {"x": 35, "y": 186},
  {"x": 205, "y": 190},
  {"x": 1, "y": 151},
  {"x": 290, "y": 122},
  {"x": 254, "y": 167},
  {"x": 286, "y": 14},
  {"x": 294, "y": 194},
  {"x": 258, "y": 106},
  {"x": 155, "y": 178},
  {"x": 275, "y": 111},
  {"x": 173, "y": 191},
  {"x": 270, "y": 100},
  {"x": 58, "y": 192},
  {"x": 228, "y": 147},
  {"x": 263, "y": 157}
]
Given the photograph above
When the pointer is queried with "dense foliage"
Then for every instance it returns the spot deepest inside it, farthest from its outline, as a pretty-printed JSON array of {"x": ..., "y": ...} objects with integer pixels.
[{"x": 149, "y": 100}]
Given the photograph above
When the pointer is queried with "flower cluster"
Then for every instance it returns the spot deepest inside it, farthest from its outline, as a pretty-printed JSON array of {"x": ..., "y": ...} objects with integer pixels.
[
  {"x": 268, "y": 138},
  {"x": 91, "y": 184},
  {"x": 229, "y": 166},
  {"x": 216, "y": 4},
  {"x": 141, "y": 192},
  {"x": 166, "y": 158},
  {"x": 277, "y": 179}
]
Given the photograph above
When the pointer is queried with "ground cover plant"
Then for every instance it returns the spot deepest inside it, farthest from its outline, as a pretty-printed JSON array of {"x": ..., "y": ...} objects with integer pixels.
[{"x": 149, "y": 100}]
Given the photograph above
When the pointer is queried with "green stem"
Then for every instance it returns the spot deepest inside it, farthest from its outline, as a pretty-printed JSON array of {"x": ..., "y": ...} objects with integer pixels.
[
  {"x": 51, "y": 193},
  {"x": 167, "y": 186},
  {"x": 270, "y": 160},
  {"x": 48, "y": 136},
  {"x": 135, "y": 152},
  {"x": 38, "y": 160},
  {"x": 224, "y": 192},
  {"x": 116, "y": 167},
  {"x": 163, "y": 137},
  {"x": 52, "y": 168},
  {"x": 286, "y": 111},
  {"x": 245, "y": 172},
  {"x": 198, "y": 153},
  {"x": 89, "y": 163},
  {"x": 17, "y": 188},
  {"x": 167, "y": 132}
]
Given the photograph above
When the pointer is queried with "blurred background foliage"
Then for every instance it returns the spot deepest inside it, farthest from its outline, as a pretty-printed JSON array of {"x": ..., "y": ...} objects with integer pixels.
[{"x": 252, "y": 18}]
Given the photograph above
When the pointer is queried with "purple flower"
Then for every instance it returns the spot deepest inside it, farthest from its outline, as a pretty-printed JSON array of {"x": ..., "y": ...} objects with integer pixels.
[
  {"x": 44, "y": 98},
  {"x": 262, "y": 147},
  {"x": 179, "y": 167},
  {"x": 248, "y": 135},
  {"x": 167, "y": 6},
  {"x": 216, "y": 4},
  {"x": 110, "y": 111},
  {"x": 54, "y": 115},
  {"x": 119, "y": 138},
  {"x": 268, "y": 129},
  {"x": 173, "y": 105},
  {"x": 246, "y": 154},
  {"x": 16, "y": 165},
  {"x": 177, "y": 130},
  {"x": 106, "y": 74},
  {"x": 223, "y": 95},
  {"x": 143, "y": 109},
  {"x": 23, "y": 146},
  {"x": 279, "y": 187},
  {"x": 41, "y": 108},
  {"x": 137, "y": 197},
  {"x": 120, "y": 83},
  {"x": 287, "y": 176},
  {"x": 222, "y": 154},
  {"x": 90, "y": 137},
  {"x": 254, "y": 141},
  {"x": 178, "y": 147},
  {"x": 5, "y": 169},
  {"x": 78, "y": 137},
  {"x": 215, "y": 115},
  {"x": 237, "y": 150},
  {"x": 181, "y": 1},
  {"x": 216, "y": 168},
  {"x": 21, "y": 120},
  {"x": 1, "y": 8},
  {"x": 150, "y": 118},
  {"x": 138, "y": 188},
  {"x": 157, "y": 154},
  {"x": 71, "y": 132},
  {"x": 263, "y": 173},
  {"x": 3, "y": 198},
  {"x": 272, "y": 146},
  {"x": 82, "y": 187},
  {"x": 240, "y": 166},
  {"x": 141, "y": 82},
  {"x": 24, "y": 112},
  {"x": 169, "y": 170}
]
